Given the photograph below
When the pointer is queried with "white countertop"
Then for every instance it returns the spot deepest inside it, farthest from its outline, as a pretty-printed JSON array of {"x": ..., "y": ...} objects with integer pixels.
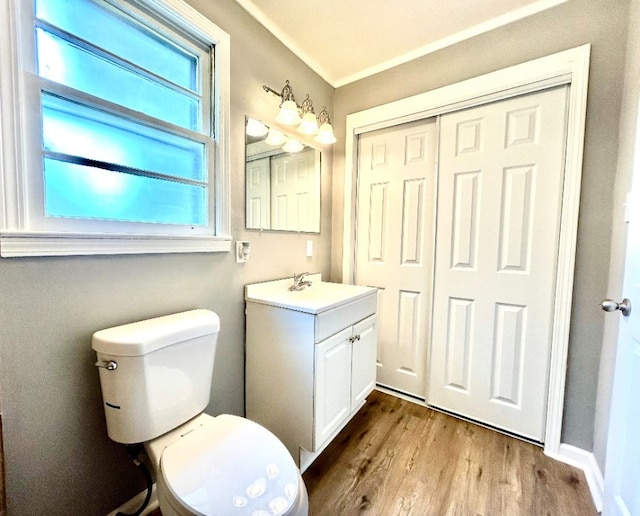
[{"x": 319, "y": 297}]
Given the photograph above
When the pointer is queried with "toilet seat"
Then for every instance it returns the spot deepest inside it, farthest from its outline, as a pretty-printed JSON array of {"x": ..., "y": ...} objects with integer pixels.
[{"x": 230, "y": 466}]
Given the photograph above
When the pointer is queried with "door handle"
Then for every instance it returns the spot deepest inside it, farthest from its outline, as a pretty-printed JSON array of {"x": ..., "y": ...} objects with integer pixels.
[{"x": 608, "y": 305}]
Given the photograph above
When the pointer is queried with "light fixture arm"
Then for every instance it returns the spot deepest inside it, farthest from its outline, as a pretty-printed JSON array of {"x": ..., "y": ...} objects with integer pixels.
[
  {"x": 323, "y": 116},
  {"x": 271, "y": 90},
  {"x": 285, "y": 94}
]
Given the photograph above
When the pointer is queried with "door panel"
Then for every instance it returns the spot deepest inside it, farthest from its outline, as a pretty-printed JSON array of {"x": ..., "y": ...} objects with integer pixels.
[
  {"x": 294, "y": 191},
  {"x": 622, "y": 472},
  {"x": 258, "y": 195},
  {"x": 395, "y": 238},
  {"x": 499, "y": 200},
  {"x": 363, "y": 361},
  {"x": 333, "y": 385}
]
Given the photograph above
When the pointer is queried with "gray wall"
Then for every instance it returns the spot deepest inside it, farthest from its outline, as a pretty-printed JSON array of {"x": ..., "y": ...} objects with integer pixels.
[
  {"x": 603, "y": 24},
  {"x": 59, "y": 459}
]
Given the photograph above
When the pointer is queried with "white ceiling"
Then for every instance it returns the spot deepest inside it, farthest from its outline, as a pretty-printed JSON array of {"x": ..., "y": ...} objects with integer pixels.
[{"x": 346, "y": 40}]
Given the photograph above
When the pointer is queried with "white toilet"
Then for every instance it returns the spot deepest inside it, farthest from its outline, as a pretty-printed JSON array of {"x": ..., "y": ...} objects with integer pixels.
[{"x": 156, "y": 379}]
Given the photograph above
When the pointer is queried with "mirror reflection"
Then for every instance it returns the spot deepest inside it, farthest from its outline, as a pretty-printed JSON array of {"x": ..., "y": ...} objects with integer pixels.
[{"x": 282, "y": 178}]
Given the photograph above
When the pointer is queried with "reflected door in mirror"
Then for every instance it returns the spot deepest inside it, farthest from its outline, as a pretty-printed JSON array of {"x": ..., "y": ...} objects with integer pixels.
[{"x": 282, "y": 188}]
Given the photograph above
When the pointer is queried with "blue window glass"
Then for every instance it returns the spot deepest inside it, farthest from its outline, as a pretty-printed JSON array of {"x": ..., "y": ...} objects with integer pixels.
[
  {"x": 77, "y": 130},
  {"x": 68, "y": 64},
  {"x": 79, "y": 191},
  {"x": 102, "y": 160},
  {"x": 105, "y": 27}
]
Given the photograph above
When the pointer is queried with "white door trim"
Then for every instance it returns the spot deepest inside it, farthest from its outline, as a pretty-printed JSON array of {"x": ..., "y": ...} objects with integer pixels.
[{"x": 567, "y": 67}]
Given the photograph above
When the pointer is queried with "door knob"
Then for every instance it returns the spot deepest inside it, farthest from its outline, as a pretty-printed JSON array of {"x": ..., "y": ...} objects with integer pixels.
[{"x": 608, "y": 305}]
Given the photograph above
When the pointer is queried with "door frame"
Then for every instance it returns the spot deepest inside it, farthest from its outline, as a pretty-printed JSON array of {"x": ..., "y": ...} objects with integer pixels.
[{"x": 567, "y": 67}]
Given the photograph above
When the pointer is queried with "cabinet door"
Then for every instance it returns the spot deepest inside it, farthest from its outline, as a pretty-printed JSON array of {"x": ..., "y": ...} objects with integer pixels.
[
  {"x": 332, "y": 385},
  {"x": 363, "y": 362}
]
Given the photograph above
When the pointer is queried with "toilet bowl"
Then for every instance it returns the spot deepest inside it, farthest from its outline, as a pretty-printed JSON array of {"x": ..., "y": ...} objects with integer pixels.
[
  {"x": 155, "y": 377},
  {"x": 225, "y": 465}
]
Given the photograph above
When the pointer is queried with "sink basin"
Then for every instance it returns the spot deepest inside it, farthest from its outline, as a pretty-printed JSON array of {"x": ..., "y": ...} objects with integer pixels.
[{"x": 314, "y": 299}]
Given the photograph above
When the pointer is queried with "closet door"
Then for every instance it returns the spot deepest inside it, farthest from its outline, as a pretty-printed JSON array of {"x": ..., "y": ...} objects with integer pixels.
[
  {"x": 258, "y": 196},
  {"x": 294, "y": 187},
  {"x": 394, "y": 248},
  {"x": 501, "y": 170}
]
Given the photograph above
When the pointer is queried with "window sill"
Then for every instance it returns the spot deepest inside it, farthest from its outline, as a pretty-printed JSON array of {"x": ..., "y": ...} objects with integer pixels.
[{"x": 23, "y": 244}]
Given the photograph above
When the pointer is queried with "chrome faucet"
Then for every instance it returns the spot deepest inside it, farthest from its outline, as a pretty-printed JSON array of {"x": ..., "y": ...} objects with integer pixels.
[{"x": 298, "y": 283}]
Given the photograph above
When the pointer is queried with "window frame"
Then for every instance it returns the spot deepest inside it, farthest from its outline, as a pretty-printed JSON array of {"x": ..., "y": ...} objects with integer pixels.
[{"x": 18, "y": 126}]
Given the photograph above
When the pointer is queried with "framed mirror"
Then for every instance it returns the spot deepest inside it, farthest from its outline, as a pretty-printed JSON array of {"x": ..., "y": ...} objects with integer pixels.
[{"x": 282, "y": 181}]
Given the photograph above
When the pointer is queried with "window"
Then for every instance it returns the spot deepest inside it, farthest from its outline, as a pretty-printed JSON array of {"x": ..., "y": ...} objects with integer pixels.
[{"x": 118, "y": 141}]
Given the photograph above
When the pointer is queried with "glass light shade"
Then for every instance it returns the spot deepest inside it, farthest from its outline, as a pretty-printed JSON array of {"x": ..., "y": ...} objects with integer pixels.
[
  {"x": 288, "y": 114},
  {"x": 256, "y": 128},
  {"x": 275, "y": 138},
  {"x": 293, "y": 146},
  {"x": 309, "y": 124},
  {"x": 325, "y": 135}
]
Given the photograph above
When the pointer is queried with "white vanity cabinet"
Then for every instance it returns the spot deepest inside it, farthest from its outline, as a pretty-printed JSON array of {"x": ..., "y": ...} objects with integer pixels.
[
  {"x": 310, "y": 361},
  {"x": 345, "y": 373}
]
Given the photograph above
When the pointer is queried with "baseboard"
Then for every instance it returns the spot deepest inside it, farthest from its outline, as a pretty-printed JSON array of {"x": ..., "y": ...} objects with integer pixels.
[
  {"x": 401, "y": 395},
  {"x": 136, "y": 502},
  {"x": 586, "y": 461}
]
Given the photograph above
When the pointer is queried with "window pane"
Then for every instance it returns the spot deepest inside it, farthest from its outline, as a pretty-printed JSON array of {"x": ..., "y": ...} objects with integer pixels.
[
  {"x": 65, "y": 63},
  {"x": 120, "y": 35},
  {"x": 78, "y": 191},
  {"x": 78, "y": 130}
]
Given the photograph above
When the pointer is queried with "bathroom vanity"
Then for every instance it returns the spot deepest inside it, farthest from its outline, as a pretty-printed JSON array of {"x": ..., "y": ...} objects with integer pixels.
[{"x": 310, "y": 359}]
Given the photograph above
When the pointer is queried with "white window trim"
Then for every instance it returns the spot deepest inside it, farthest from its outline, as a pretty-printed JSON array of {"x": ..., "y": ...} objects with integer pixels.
[{"x": 16, "y": 240}]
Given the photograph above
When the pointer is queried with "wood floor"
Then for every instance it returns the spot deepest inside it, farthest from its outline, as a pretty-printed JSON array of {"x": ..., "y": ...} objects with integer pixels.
[
  {"x": 399, "y": 458},
  {"x": 396, "y": 457}
]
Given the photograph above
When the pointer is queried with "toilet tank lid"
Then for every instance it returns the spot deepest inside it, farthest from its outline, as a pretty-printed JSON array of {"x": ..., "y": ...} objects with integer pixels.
[{"x": 142, "y": 337}]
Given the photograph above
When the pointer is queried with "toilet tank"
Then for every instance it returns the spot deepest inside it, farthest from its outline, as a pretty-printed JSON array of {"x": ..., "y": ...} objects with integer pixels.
[{"x": 162, "y": 376}]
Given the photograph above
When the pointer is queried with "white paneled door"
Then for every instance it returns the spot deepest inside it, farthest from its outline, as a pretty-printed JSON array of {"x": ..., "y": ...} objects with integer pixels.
[
  {"x": 395, "y": 238},
  {"x": 294, "y": 199},
  {"x": 499, "y": 203},
  {"x": 258, "y": 196},
  {"x": 622, "y": 471}
]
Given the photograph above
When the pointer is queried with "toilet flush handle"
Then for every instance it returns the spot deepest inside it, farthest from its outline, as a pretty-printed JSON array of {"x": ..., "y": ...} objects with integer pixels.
[{"x": 109, "y": 366}]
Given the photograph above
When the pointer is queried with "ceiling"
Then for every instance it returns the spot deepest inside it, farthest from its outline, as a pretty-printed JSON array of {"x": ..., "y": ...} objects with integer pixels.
[{"x": 346, "y": 40}]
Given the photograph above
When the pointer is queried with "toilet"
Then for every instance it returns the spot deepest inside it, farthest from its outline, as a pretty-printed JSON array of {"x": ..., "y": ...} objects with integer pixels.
[{"x": 155, "y": 377}]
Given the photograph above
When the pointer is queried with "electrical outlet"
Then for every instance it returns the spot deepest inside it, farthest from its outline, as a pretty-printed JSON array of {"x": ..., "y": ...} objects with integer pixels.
[{"x": 243, "y": 250}]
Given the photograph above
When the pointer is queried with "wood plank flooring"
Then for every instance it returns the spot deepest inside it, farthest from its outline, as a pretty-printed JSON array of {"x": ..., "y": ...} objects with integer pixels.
[{"x": 398, "y": 458}]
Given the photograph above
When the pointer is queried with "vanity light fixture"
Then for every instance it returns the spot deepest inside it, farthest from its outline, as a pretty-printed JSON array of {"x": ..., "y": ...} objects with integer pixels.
[
  {"x": 325, "y": 133},
  {"x": 275, "y": 137},
  {"x": 309, "y": 124},
  {"x": 303, "y": 116},
  {"x": 288, "y": 114},
  {"x": 293, "y": 145},
  {"x": 256, "y": 128}
]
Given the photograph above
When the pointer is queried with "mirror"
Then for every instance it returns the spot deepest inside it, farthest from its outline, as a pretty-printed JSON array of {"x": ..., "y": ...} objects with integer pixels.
[{"x": 282, "y": 181}]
